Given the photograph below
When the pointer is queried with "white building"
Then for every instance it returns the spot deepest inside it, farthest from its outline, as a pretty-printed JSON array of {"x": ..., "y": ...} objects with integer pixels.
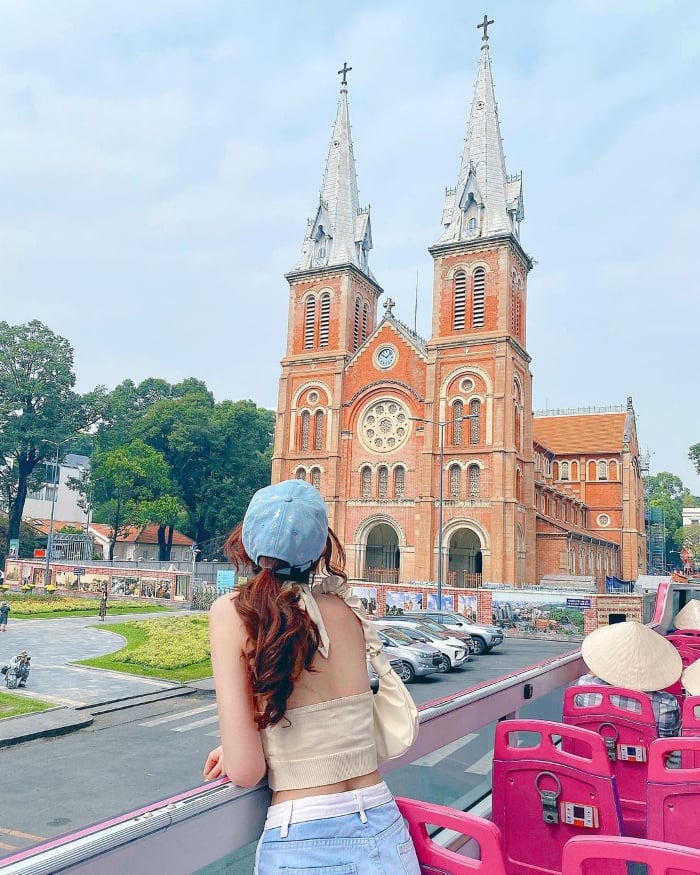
[
  {"x": 38, "y": 503},
  {"x": 691, "y": 516}
]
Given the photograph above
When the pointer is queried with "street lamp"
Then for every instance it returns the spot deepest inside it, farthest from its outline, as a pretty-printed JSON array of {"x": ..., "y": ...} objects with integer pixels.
[
  {"x": 57, "y": 475},
  {"x": 441, "y": 425}
]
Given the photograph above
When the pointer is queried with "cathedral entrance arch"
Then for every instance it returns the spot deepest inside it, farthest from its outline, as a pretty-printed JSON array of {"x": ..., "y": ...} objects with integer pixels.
[
  {"x": 464, "y": 558},
  {"x": 382, "y": 555}
]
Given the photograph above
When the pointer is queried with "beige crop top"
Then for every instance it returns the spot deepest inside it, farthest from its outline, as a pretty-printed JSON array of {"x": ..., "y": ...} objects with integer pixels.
[{"x": 330, "y": 741}]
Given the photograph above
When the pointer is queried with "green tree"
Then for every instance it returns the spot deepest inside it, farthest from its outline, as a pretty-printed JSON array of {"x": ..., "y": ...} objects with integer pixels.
[
  {"x": 219, "y": 454},
  {"x": 694, "y": 456},
  {"x": 38, "y": 408},
  {"x": 127, "y": 403},
  {"x": 123, "y": 482},
  {"x": 167, "y": 513},
  {"x": 689, "y": 537},
  {"x": 666, "y": 492}
]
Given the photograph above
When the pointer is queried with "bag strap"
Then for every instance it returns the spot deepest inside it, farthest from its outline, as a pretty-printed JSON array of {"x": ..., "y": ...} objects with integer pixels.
[{"x": 334, "y": 585}]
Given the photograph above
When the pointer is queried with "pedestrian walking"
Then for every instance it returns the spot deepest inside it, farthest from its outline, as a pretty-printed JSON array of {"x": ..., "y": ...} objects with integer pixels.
[
  {"x": 103, "y": 604},
  {"x": 4, "y": 611}
]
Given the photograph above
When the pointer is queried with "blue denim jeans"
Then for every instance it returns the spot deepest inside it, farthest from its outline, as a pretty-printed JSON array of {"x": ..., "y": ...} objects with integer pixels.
[{"x": 341, "y": 846}]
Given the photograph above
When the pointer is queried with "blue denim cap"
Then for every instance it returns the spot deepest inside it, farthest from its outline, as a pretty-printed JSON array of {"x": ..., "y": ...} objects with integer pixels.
[{"x": 286, "y": 521}]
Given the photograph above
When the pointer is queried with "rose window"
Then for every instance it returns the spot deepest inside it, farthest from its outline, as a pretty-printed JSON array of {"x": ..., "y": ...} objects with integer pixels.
[{"x": 384, "y": 426}]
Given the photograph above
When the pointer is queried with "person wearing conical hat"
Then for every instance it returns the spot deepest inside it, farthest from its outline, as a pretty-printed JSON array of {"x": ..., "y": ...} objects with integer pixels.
[
  {"x": 688, "y": 617},
  {"x": 633, "y": 656},
  {"x": 690, "y": 679}
]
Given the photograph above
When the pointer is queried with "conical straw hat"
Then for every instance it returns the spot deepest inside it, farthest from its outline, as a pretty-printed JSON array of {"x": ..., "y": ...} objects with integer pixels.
[
  {"x": 633, "y": 656},
  {"x": 689, "y": 616},
  {"x": 691, "y": 678}
]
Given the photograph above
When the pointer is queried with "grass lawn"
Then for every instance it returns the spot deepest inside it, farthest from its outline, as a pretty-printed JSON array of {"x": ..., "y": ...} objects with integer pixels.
[
  {"x": 14, "y": 706},
  {"x": 115, "y": 609},
  {"x": 49, "y": 607},
  {"x": 171, "y": 648}
]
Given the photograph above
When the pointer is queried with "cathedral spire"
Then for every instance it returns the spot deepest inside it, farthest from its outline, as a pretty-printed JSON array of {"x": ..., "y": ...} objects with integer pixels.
[
  {"x": 485, "y": 202},
  {"x": 340, "y": 231}
]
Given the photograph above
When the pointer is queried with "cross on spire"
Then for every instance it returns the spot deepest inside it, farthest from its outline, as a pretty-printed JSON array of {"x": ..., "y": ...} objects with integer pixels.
[
  {"x": 388, "y": 306},
  {"x": 344, "y": 72},
  {"x": 485, "y": 24}
]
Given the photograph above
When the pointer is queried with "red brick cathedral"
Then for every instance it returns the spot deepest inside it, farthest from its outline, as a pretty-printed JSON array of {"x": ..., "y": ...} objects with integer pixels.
[{"x": 417, "y": 444}]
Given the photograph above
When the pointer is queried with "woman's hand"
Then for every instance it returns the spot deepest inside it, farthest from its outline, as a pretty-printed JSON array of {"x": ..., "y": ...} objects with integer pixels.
[{"x": 214, "y": 766}]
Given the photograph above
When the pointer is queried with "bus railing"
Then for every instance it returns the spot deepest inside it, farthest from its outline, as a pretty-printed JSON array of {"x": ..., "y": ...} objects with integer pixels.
[{"x": 185, "y": 833}]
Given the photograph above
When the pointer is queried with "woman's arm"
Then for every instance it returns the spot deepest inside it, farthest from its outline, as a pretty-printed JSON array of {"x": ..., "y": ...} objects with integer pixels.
[{"x": 244, "y": 762}]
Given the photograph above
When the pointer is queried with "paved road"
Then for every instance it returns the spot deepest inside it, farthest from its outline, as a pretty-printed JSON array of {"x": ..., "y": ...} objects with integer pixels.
[{"x": 53, "y": 644}]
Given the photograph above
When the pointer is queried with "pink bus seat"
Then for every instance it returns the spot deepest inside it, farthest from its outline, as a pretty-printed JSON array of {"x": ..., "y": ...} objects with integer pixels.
[
  {"x": 690, "y": 717},
  {"x": 673, "y": 794},
  {"x": 627, "y": 734},
  {"x": 689, "y": 635},
  {"x": 595, "y": 855},
  {"x": 434, "y": 858},
  {"x": 543, "y": 795}
]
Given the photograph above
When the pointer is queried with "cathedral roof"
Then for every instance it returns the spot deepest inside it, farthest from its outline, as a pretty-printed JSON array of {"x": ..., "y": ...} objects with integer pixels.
[
  {"x": 340, "y": 232},
  {"x": 593, "y": 433},
  {"x": 486, "y": 201}
]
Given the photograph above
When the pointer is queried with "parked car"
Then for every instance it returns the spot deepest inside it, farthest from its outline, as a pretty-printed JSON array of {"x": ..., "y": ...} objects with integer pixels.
[
  {"x": 434, "y": 626},
  {"x": 454, "y": 652},
  {"x": 374, "y": 677},
  {"x": 486, "y": 637},
  {"x": 417, "y": 660}
]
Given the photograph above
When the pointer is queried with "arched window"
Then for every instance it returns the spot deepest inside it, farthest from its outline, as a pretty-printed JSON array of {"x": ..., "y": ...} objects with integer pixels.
[
  {"x": 383, "y": 481},
  {"x": 356, "y": 328},
  {"x": 518, "y": 308},
  {"x": 305, "y": 428},
  {"x": 316, "y": 478},
  {"x": 366, "y": 482},
  {"x": 602, "y": 470},
  {"x": 612, "y": 470},
  {"x": 309, "y": 322},
  {"x": 365, "y": 321},
  {"x": 513, "y": 301},
  {"x": 460, "y": 300},
  {"x": 471, "y": 224},
  {"x": 479, "y": 282},
  {"x": 457, "y": 414},
  {"x": 399, "y": 481},
  {"x": 325, "y": 319},
  {"x": 318, "y": 430},
  {"x": 518, "y": 426},
  {"x": 455, "y": 481},
  {"x": 301, "y": 474},
  {"x": 564, "y": 471},
  {"x": 475, "y": 422},
  {"x": 474, "y": 481}
]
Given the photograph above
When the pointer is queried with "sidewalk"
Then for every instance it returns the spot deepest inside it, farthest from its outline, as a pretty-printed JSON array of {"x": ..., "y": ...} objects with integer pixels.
[{"x": 78, "y": 691}]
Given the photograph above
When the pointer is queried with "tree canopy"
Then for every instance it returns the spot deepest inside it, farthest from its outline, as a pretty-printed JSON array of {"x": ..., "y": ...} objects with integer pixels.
[{"x": 40, "y": 413}]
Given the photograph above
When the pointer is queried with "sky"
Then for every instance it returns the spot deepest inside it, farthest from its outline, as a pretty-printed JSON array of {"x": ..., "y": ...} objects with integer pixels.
[{"x": 159, "y": 159}]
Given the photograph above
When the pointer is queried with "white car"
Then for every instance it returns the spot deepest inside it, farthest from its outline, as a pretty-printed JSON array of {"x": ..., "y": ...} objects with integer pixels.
[{"x": 454, "y": 652}]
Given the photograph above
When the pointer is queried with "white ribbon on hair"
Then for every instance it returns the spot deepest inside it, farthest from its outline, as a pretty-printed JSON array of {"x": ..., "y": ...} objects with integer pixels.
[{"x": 337, "y": 586}]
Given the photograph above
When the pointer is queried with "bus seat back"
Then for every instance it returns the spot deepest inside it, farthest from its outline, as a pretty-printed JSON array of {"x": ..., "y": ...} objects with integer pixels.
[
  {"x": 543, "y": 795},
  {"x": 673, "y": 792},
  {"x": 488, "y": 856},
  {"x": 690, "y": 719},
  {"x": 593, "y": 855},
  {"x": 628, "y": 735}
]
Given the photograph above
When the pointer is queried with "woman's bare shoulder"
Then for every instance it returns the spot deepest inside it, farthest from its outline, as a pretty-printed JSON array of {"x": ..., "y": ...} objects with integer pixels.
[{"x": 224, "y": 608}]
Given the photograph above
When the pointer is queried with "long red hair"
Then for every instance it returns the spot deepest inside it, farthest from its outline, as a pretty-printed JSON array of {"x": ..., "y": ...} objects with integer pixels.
[{"x": 282, "y": 638}]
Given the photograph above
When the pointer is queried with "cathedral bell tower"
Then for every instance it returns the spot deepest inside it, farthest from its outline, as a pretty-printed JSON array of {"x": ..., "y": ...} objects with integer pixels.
[
  {"x": 332, "y": 310},
  {"x": 482, "y": 386}
]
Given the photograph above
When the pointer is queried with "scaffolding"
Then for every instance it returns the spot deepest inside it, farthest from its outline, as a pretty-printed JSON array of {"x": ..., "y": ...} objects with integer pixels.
[{"x": 656, "y": 540}]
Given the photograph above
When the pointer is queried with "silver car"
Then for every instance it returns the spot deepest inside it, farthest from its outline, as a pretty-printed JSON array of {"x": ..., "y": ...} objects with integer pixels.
[
  {"x": 417, "y": 660},
  {"x": 454, "y": 653}
]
